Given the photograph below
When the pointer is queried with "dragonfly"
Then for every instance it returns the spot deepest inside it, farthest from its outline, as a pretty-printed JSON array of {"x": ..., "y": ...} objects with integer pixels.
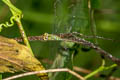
[
  {"x": 70, "y": 16},
  {"x": 73, "y": 16}
]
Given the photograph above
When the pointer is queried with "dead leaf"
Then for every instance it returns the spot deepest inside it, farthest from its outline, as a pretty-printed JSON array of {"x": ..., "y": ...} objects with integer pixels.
[{"x": 16, "y": 57}]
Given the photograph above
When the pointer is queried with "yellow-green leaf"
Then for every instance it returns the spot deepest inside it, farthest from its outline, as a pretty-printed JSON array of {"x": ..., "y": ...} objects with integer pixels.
[{"x": 16, "y": 57}]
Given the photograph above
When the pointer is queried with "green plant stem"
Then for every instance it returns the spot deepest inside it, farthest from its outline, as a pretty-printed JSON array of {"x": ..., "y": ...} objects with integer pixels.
[
  {"x": 13, "y": 9},
  {"x": 0, "y": 76},
  {"x": 17, "y": 14},
  {"x": 94, "y": 72},
  {"x": 23, "y": 34},
  {"x": 101, "y": 68},
  {"x": 92, "y": 21}
]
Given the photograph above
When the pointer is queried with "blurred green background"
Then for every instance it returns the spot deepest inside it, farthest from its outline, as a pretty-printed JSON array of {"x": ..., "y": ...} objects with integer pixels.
[{"x": 39, "y": 18}]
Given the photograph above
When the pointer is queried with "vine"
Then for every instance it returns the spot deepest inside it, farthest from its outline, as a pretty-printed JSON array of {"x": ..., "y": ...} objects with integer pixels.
[{"x": 16, "y": 16}]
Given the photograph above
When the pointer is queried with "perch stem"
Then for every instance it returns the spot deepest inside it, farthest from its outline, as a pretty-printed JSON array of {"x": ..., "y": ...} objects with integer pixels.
[{"x": 23, "y": 34}]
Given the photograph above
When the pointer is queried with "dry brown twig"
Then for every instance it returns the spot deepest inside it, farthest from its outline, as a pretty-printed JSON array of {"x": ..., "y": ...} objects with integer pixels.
[{"x": 46, "y": 71}]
